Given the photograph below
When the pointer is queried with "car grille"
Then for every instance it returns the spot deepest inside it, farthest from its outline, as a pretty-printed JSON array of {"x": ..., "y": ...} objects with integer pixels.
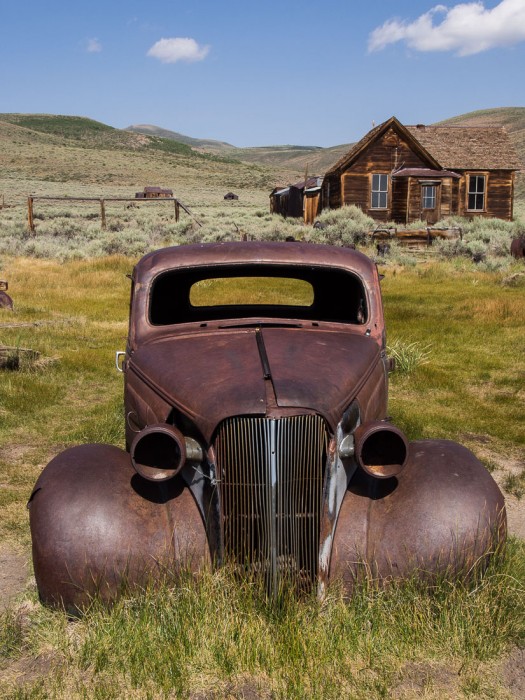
[{"x": 271, "y": 480}]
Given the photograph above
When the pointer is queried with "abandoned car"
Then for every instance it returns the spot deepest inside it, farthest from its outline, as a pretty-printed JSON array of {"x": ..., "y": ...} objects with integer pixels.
[{"x": 257, "y": 433}]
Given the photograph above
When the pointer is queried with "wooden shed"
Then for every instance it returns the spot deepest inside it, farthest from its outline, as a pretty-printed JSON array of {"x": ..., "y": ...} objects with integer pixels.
[
  {"x": 299, "y": 199},
  {"x": 411, "y": 173}
]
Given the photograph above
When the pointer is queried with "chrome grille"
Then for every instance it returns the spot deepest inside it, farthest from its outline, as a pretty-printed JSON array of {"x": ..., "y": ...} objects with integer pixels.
[{"x": 271, "y": 480}]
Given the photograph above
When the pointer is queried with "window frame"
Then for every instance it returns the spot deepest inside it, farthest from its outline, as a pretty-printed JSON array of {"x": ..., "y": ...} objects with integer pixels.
[
  {"x": 428, "y": 186},
  {"x": 476, "y": 193},
  {"x": 379, "y": 191}
]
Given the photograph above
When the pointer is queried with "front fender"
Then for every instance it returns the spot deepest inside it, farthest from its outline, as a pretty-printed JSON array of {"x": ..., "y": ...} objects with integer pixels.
[
  {"x": 441, "y": 515},
  {"x": 97, "y": 526}
]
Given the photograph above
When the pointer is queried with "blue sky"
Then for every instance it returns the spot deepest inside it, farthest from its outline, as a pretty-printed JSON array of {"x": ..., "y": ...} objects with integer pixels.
[{"x": 262, "y": 73}]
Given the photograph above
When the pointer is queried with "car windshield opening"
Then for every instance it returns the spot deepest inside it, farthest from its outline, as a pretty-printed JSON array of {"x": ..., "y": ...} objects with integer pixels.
[{"x": 257, "y": 291}]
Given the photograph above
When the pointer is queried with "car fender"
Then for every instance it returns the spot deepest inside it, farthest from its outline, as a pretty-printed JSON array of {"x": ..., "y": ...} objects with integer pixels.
[{"x": 441, "y": 515}]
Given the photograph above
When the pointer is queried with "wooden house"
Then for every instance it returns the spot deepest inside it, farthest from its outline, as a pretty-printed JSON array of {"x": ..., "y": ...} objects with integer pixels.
[{"x": 411, "y": 173}]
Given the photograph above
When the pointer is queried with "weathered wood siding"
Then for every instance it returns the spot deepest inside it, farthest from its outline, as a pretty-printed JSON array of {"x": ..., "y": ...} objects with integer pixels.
[
  {"x": 498, "y": 197},
  {"x": 311, "y": 207},
  {"x": 399, "y": 199},
  {"x": 385, "y": 154},
  {"x": 332, "y": 192}
]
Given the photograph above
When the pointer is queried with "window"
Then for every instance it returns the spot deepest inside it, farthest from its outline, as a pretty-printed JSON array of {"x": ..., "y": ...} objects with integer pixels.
[
  {"x": 257, "y": 291},
  {"x": 428, "y": 196},
  {"x": 379, "y": 191},
  {"x": 236, "y": 291},
  {"x": 476, "y": 192}
]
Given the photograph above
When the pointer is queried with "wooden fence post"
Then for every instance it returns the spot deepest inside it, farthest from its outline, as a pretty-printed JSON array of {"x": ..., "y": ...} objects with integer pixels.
[
  {"x": 177, "y": 210},
  {"x": 30, "y": 220},
  {"x": 103, "y": 214}
]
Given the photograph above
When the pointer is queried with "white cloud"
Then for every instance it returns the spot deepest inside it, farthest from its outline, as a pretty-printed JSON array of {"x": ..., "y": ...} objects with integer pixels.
[
  {"x": 93, "y": 46},
  {"x": 178, "y": 49},
  {"x": 466, "y": 28}
]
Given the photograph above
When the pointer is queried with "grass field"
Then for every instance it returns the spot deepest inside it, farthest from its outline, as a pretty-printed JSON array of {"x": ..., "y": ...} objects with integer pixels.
[{"x": 213, "y": 637}]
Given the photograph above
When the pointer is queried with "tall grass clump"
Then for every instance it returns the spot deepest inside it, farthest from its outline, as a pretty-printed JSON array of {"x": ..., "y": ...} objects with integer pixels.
[{"x": 408, "y": 356}]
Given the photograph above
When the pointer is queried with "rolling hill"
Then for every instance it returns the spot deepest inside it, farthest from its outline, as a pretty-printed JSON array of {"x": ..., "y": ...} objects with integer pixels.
[{"x": 297, "y": 158}]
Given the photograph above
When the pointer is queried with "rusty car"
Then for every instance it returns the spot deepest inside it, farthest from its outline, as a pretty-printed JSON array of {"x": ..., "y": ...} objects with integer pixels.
[{"x": 257, "y": 432}]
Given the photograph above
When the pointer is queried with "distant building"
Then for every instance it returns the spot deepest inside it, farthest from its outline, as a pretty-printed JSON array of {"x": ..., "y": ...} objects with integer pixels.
[
  {"x": 411, "y": 173},
  {"x": 153, "y": 193},
  {"x": 300, "y": 199}
]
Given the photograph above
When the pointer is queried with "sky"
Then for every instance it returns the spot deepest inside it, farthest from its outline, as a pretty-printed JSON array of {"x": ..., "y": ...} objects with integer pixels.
[{"x": 316, "y": 73}]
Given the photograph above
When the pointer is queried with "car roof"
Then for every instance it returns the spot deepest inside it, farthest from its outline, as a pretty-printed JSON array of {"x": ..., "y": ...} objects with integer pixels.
[{"x": 252, "y": 252}]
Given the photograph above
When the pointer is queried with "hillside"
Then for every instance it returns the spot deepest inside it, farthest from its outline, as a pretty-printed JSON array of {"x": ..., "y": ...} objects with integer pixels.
[
  {"x": 297, "y": 158},
  {"x": 208, "y": 145},
  {"x": 53, "y": 154}
]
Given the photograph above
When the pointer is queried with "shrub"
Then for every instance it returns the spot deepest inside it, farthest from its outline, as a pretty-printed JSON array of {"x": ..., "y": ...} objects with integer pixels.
[{"x": 408, "y": 356}]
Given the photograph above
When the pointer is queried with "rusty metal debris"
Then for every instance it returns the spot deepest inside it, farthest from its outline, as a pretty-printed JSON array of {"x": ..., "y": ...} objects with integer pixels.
[
  {"x": 257, "y": 432},
  {"x": 5, "y": 300}
]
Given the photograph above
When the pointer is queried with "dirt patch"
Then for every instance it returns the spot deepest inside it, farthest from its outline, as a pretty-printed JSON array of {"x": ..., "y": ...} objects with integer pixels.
[
  {"x": 26, "y": 670},
  {"x": 503, "y": 465},
  {"x": 512, "y": 672},
  {"x": 14, "y": 571},
  {"x": 515, "y": 506},
  {"x": 245, "y": 688},
  {"x": 423, "y": 679}
]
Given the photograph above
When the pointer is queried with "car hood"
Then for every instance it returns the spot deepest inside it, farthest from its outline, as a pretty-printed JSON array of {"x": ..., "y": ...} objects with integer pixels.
[{"x": 212, "y": 375}]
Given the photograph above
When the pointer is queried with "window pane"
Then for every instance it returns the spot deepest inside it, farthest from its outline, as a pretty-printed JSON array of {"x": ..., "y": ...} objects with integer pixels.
[
  {"x": 429, "y": 197},
  {"x": 476, "y": 192},
  {"x": 223, "y": 291},
  {"x": 379, "y": 194}
]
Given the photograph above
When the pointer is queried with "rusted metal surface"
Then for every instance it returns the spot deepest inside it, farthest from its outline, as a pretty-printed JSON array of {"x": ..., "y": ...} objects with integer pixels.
[
  {"x": 258, "y": 433},
  {"x": 517, "y": 247},
  {"x": 441, "y": 515},
  {"x": 98, "y": 526},
  {"x": 5, "y": 300}
]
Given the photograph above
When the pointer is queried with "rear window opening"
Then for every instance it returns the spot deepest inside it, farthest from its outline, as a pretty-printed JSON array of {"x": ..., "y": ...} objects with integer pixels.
[
  {"x": 249, "y": 291},
  {"x": 257, "y": 291}
]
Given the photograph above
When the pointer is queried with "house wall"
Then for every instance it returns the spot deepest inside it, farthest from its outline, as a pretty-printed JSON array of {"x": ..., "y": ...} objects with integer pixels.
[
  {"x": 499, "y": 195},
  {"x": 446, "y": 205},
  {"x": 383, "y": 155},
  {"x": 332, "y": 192}
]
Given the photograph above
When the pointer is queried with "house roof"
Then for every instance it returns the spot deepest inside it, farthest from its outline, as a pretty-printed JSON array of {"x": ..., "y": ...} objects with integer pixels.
[
  {"x": 468, "y": 147},
  {"x": 445, "y": 147}
]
